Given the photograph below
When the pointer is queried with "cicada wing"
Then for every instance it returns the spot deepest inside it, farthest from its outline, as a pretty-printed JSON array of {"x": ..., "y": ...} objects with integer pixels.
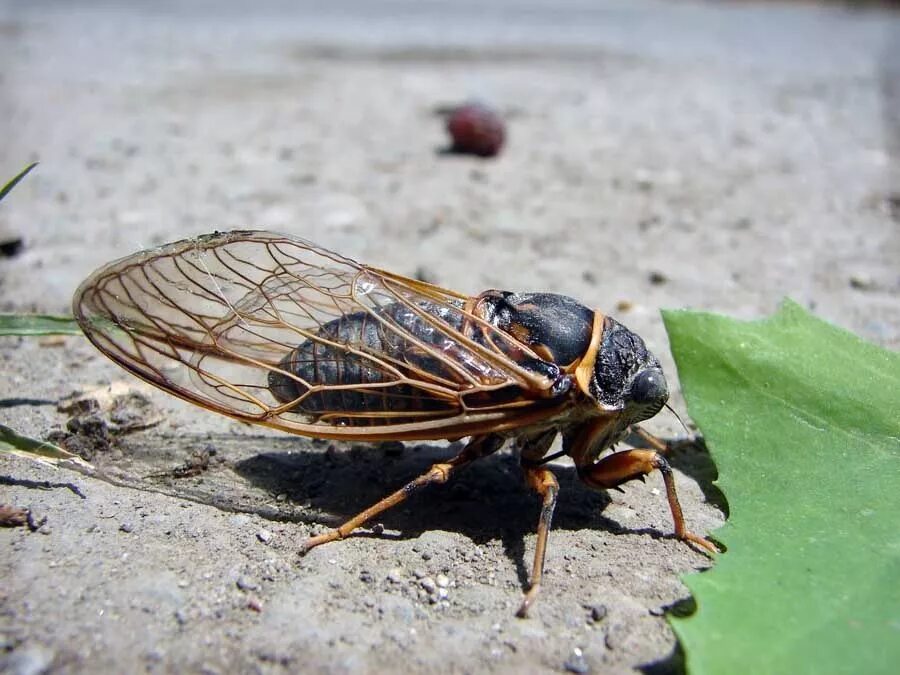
[{"x": 212, "y": 320}]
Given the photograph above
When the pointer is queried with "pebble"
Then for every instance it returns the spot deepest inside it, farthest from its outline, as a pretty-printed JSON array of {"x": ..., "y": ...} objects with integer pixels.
[
  {"x": 264, "y": 536},
  {"x": 126, "y": 527},
  {"x": 443, "y": 581},
  {"x": 247, "y": 584},
  {"x": 395, "y": 576},
  {"x": 428, "y": 584},
  {"x": 862, "y": 283},
  {"x": 598, "y": 612},
  {"x": 576, "y": 662}
]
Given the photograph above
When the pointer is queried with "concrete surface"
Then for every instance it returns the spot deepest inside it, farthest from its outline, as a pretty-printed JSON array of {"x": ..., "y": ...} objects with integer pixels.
[{"x": 661, "y": 154}]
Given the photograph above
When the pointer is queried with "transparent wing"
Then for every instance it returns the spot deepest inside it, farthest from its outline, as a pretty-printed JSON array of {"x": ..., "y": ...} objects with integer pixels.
[{"x": 274, "y": 330}]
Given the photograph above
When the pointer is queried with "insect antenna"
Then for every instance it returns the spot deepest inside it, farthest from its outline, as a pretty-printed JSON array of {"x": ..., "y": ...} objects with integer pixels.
[{"x": 678, "y": 417}]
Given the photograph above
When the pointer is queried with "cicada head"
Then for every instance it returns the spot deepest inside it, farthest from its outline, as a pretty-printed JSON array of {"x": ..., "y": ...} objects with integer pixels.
[{"x": 626, "y": 376}]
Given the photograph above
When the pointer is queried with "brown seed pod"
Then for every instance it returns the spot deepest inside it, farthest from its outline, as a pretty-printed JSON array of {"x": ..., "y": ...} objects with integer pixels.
[{"x": 476, "y": 129}]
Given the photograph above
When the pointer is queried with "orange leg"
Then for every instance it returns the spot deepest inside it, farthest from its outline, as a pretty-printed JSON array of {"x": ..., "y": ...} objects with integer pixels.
[
  {"x": 658, "y": 444},
  {"x": 545, "y": 484},
  {"x": 621, "y": 467},
  {"x": 654, "y": 442},
  {"x": 439, "y": 473}
]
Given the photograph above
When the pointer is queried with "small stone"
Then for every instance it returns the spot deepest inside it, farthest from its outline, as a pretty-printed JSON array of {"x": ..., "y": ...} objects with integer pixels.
[
  {"x": 246, "y": 584},
  {"x": 442, "y": 580},
  {"x": 428, "y": 584},
  {"x": 126, "y": 527},
  {"x": 255, "y": 604},
  {"x": 366, "y": 577},
  {"x": 442, "y": 593},
  {"x": 419, "y": 573},
  {"x": 861, "y": 282},
  {"x": 657, "y": 278},
  {"x": 598, "y": 612},
  {"x": 395, "y": 576},
  {"x": 264, "y": 536},
  {"x": 576, "y": 662}
]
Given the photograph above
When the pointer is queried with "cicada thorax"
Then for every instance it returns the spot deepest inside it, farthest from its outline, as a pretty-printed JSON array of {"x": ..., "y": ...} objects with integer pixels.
[{"x": 556, "y": 327}]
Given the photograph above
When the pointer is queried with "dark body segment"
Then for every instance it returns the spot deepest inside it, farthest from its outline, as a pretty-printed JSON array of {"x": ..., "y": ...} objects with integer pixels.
[
  {"x": 320, "y": 363},
  {"x": 555, "y": 327}
]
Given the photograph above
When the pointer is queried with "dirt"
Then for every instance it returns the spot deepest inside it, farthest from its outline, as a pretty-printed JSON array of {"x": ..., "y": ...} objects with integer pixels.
[{"x": 709, "y": 156}]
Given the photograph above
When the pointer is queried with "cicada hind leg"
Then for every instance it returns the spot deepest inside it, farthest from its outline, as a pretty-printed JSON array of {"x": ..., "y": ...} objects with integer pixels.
[{"x": 478, "y": 447}]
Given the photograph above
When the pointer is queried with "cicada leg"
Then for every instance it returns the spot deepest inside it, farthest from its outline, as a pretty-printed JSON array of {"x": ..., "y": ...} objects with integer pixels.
[
  {"x": 621, "y": 467},
  {"x": 477, "y": 448},
  {"x": 533, "y": 453},
  {"x": 663, "y": 447},
  {"x": 545, "y": 484}
]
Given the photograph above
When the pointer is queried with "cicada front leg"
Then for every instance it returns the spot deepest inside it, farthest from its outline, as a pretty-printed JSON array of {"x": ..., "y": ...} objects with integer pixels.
[
  {"x": 620, "y": 467},
  {"x": 660, "y": 445}
]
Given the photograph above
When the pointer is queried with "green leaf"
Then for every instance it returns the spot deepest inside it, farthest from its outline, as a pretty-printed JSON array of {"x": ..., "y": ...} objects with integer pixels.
[
  {"x": 11, "y": 184},
  {"x": 803, "y": 421},
  {"x": 14, "y": 443},
  {"x": 38, "y": 324}
]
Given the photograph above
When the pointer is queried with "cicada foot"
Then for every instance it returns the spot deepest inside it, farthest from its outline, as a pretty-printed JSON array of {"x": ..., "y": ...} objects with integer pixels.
[
  {"x": 702, "y": 544},
  {"x": 318, "y": 540}
]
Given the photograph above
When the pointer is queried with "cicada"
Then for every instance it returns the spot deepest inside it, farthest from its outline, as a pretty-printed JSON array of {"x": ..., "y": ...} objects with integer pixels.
[{"x": 273, "y": 330}]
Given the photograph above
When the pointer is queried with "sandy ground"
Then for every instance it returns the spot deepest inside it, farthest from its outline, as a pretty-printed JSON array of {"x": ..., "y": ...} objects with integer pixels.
[{"x": 660, "y": 155}]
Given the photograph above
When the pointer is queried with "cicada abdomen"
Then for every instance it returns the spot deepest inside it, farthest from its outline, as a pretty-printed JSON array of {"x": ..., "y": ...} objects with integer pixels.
[{"x": 349, "y": 371}]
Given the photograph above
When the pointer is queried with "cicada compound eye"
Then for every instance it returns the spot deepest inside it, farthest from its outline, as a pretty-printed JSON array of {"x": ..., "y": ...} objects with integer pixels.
[{"x": 649, "y": 389}]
